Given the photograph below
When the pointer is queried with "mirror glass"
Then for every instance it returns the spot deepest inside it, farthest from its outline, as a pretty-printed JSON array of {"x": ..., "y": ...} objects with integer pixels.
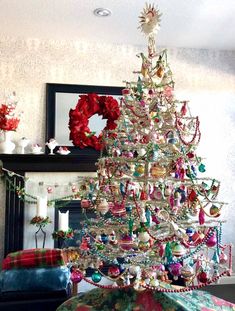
[{"x": 64, "y": 102}]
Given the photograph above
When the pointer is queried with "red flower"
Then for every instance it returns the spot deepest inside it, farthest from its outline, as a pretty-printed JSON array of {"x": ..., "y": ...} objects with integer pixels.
[
  {"x": 8, "y": 122},
  {"x": 87, "y": 106}
]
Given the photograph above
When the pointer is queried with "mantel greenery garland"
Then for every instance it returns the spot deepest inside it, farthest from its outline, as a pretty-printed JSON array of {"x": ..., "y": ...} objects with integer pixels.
[{"x": 32, "y": 199}]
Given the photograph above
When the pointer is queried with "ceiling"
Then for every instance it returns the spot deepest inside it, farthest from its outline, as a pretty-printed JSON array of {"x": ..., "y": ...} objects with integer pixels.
[{"x": 185, "y": 23}]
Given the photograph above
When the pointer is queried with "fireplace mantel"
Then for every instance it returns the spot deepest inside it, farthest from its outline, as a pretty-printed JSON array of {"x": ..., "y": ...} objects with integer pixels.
[{"x": 84, "y": 161}]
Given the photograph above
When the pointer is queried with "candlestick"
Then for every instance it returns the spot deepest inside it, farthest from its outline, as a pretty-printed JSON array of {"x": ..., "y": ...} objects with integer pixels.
[
  {"x": 42, "y": 206},
  {"x": 63, "y": 223}
]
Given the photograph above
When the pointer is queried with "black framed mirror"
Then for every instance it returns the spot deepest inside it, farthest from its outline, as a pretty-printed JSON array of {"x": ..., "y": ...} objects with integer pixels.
[{"x": 60, "y": 98}]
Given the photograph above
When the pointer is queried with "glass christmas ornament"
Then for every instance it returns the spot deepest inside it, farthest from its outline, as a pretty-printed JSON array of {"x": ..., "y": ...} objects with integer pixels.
[
  {"x": 104, "y": 238},
  {"x": 156, "y": 194},
  {"x": 119, "y": 210},
  {"x": 103, "y": 207},
  {"x": 126, "y": 242},
  {"x": 112, "y": 238},
  {"x": 113, "y": 271},
  {"x": 187, "y": 272},
  {"x": 96, "y": 277},
  {"x": 175, "y": 270},
  {"x": 190, "y": 231},
  {"x": 211, "y": 241},
  {"x": 135, "y": 270},
  {"x": 201, "y": 168},
  {"x": 223, "y": 258},
  {"x": 143, "y": 195},
  {"x": 171, "y": 138},
  {"x": 157, "y": 171},
  {"x": 143, "y": 246},
  {"x": 76, "y": 276},
  {"x": 214, "y": 210},
  {"x": 139, "y": 170},
  {"x": 143, "y": 236},
  {"x": 178, "y": 250},
  {"x": 202, "y": 277}
]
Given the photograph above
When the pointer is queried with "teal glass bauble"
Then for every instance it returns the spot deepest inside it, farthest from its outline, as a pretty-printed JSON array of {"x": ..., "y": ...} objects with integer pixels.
[{"x": 96, "y": 277}]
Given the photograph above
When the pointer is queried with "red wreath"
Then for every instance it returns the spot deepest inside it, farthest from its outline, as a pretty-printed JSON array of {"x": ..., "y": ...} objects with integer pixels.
[{"x": 87, "y": 106}]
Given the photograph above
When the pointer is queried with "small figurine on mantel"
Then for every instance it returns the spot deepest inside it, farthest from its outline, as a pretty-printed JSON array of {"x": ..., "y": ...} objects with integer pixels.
[
  {"x": 36, "y": 149},
  {"x": 63, "y": 150},
  {"x": 51, "y": 144},
  {"x": 22, "y": 144}
]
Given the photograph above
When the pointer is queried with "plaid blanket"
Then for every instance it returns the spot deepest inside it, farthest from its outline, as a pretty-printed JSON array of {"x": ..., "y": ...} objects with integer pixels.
[{"x": 33, "y": 258}]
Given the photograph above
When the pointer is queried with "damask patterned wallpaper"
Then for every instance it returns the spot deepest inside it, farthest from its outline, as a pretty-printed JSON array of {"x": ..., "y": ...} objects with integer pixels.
[{"x": 206, "y": 77}]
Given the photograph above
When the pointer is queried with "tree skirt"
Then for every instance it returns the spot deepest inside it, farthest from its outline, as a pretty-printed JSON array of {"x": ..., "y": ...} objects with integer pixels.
[{"x": 130, "y": 300}]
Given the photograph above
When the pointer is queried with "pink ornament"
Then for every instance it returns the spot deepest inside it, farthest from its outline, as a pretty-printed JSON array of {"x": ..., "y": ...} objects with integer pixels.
[
  {"x": 211, "y": 241},
  {"x": 223, "y": 258},
  {"x": 201, "y": 217},
  {"x": 76, "y": 276},
  {"x": 85, "y": 244},
  {"x": 175, "y": 269}
]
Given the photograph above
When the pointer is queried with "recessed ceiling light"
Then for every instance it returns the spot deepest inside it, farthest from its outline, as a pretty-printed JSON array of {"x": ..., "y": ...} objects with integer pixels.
[{"x": 102, "y": 12}]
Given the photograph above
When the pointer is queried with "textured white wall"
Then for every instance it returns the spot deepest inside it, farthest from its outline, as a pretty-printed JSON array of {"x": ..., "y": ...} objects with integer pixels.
[{"x": 205, "y": 77}]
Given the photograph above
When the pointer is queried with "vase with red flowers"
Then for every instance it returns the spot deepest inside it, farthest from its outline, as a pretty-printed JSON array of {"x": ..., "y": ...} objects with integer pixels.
[{"x": 9, "y": 122}]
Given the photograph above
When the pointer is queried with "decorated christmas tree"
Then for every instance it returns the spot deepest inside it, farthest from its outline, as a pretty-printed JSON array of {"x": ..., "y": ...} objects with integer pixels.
[{"x": 157, "y": 218}]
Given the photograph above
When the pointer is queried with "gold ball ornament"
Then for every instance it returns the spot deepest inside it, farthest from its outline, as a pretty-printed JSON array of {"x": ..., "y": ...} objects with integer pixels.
[{"x": 157, "y": 171}]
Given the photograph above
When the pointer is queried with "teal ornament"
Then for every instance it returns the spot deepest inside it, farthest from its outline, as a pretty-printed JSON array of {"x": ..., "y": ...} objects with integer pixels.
[
  {"x": 139, "y": 85},
  {"x": 96, "y": 277},
  {"x": 201, "y": 168},
  {"x": 215, "y": 257},
  {"x": 130, "y": 225},
  {"x": 129, "y": 209},
  {"x": 168, "y": 252}
]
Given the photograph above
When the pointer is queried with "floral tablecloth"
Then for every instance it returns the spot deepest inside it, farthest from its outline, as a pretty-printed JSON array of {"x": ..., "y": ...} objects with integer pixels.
[{"x": 130, "y": 300}]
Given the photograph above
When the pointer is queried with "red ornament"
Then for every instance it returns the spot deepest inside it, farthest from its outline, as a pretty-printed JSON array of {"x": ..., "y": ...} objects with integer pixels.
[
  {"x": 113, "y": 271},
  {"x": 119, "y": 210},
  {"x": 201, "y": 216},
  {"x": 126, "y": 242},
  {"x": 202, "y": 277},
  {"x": 192, "y": 196},
  {"x": 143, "y": 195},
  {"x": 87, "y": 106}
]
